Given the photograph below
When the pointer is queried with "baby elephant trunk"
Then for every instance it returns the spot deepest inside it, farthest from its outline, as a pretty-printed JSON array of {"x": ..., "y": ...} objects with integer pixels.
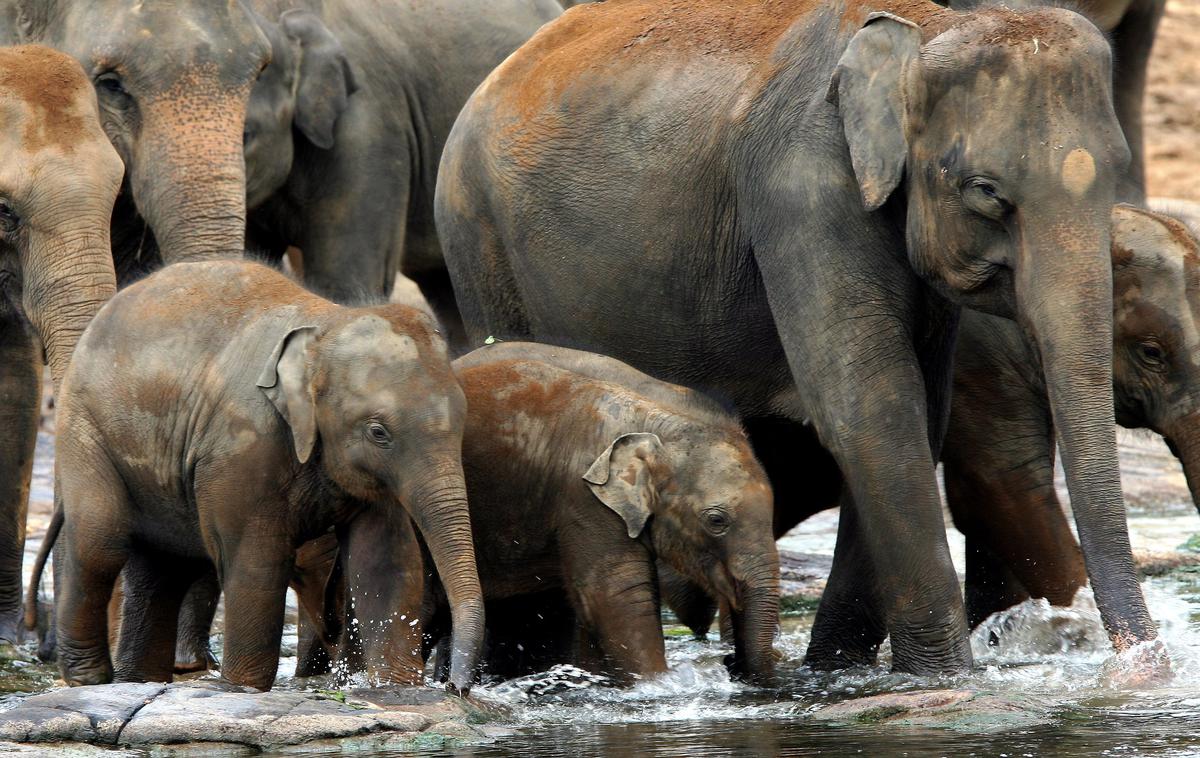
[
  {"x": 438, "y": 504},
  {"x": 756, "y": 620}
]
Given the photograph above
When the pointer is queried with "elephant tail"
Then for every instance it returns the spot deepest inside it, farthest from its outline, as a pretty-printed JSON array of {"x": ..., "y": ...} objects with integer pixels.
[{"x": 39, "y": 565}]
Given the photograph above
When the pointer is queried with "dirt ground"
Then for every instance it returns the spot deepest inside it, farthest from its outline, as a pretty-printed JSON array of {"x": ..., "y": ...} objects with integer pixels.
[{"x": 1172, "y": 108}]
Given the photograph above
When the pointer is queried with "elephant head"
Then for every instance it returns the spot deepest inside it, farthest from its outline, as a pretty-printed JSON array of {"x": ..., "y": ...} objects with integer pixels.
[
  {"x": 707, "y": 506},
  {"x": 304, "y": 90},
  {"x": 1156, "y": 335},
  {"x": 1007, "y": 210},
  {"x": 58, "y": 182},
  {"x": 173, "y": 79},
  {"x": 375, "y": 388}
]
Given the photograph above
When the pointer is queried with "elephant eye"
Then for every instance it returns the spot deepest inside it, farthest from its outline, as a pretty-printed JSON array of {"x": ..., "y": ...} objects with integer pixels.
[
  {"x": 716, "y": 520},
  {"x": 110, "y": 83},
  {"x": 984, "y": 196},
  {"x": 379, "y": 434},
  {"x": 1152, "y": 355},
  {"x": 9, "y": 220}
]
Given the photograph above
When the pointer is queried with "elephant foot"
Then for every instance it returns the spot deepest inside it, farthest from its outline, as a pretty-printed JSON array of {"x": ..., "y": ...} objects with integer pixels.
[
  {"x": 196, "y": 661},
  {"x": 11, "y": 628}
]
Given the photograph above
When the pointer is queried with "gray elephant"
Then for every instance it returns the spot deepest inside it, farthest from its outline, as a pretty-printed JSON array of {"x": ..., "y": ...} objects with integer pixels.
[
  {"x": 787, "y": 207},
  {"x": 243, "y": 417},
  {"x": 58, "y": 181}
]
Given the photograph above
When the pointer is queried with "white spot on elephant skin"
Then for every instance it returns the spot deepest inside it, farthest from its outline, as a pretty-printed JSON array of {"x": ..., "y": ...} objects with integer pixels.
[{"x": 1078, "y": 171}]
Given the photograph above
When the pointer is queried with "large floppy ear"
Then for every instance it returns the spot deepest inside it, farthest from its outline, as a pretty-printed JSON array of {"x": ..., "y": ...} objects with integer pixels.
[
  {"x": 286, "y": 380},
  {"x": 621, "y": 478},
  {"x": 868, "y": 88},
  {"x": 326, "y": 81}
]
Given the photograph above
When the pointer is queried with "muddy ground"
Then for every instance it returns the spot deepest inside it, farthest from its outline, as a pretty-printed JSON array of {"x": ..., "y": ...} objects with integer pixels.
[{"x": 1172, "y": 109}]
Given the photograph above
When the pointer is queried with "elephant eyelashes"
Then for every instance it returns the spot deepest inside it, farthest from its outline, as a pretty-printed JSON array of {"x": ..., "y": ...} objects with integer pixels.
[
  {"x": 717, "y": 521},
  {"x": 9, "y": 220},
  {"x": 1152, "y": 355},
  {"x": 983, "y": 197},
  {"x": 379, "y": 434},
  {"x": 110, "y": 83}
]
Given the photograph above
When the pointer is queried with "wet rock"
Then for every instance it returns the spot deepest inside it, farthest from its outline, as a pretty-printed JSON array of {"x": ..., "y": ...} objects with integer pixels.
[
  {"x": 959, "y": 710},
  {"x": 210, "y": 718},
  {"x": 802, "y": 579},
  {"x": 1151, "y": 563},
  {"x": 65, "y": 750}
]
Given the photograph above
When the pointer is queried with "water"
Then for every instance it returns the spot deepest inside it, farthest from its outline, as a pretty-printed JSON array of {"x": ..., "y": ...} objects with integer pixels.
[{"x": 1049, "y": 663}]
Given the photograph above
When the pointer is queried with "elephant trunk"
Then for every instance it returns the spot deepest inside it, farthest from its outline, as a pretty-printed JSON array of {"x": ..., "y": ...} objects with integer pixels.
[
  {"x": 438, "y": 504},
  {"x": 67, "y": 278},
  {"x": 189, "y": 175},
  {"x": 756, "y": 619},
  {"x": 1063, "y": 287},
  {"x": 1183, "y": 437}
]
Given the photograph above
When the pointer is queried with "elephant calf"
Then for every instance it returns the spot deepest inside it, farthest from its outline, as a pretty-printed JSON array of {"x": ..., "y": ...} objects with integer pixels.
[
  {"x": 581, "y": 472},
  {"x": 217, "y": 413}
]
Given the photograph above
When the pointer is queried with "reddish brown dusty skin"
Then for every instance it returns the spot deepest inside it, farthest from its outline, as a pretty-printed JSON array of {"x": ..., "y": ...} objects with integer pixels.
[{"x": 49, "y": 82}]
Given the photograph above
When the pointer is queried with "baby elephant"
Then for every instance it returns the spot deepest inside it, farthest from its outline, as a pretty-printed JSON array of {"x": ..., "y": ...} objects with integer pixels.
[
  {"x": 583, "y": 471},
  {"x": 217, "y": 413}
]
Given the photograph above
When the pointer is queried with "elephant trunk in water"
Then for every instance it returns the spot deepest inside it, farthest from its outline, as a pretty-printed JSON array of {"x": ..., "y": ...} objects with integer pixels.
[
  {"x": 437, "y": 501},
  {"x": 1063, "y": 283},
  {"x": 756, "y": 620},
  {"x": 68, "y": 277},
  {"x": 189, "y": 176}
]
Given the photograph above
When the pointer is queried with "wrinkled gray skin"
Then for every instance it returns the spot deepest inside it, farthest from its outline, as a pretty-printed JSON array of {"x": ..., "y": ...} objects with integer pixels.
[
  {"x": 1131, "y": 25},
  {"x": 377, "y": 87},
  {"x": 244, "y": 417},
  {"x": 58, "y": 180},
  {"x": 852, "y": 179}
]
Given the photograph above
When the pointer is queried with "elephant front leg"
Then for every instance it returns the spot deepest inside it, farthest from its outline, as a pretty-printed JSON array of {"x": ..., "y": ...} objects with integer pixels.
[
  {"x": 20, "y": 400},
  {"x": 254, "y": 576},
  {"x": 614, "y": 589},
  {"x": 384, "y": 575}
]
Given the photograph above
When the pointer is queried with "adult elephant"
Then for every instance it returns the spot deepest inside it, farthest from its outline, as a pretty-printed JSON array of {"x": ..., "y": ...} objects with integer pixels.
[
  {"x": 372, "y": 89},
  {"x": 785, "y": 203},
  {"x": 58, "y": 180}
]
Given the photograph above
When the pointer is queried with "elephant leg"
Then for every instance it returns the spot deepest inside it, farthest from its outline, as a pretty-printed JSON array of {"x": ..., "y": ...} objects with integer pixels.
[
  {"x": 614, "y": 590},
  {"x": 20, "y": 403},
  {"x": 312, "y": 656},
  {"x": 1133, "y": 39},
  {"x": 850, "y": 623},
  {"x": 155, "y": 586},
  {"x": 529, "y": 633},
  {"x": 196, "y": 614},
  {"x": 381, "y": 544},
  {"x": 255, "y": 583},
  {"x": 991, "y": 586},
  {"x": 694, "y": 608},
  {"x": 88, "y": 558}
]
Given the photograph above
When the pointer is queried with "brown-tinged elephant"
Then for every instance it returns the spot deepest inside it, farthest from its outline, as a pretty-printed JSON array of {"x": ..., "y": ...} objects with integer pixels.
[
  {"x": 999, "y": 451},
  {"x": 319, "y": 123},
  {"x": 581, "y": 473},
  {"x": 1131, "y": 25},
  {"x": 243, "y": 417},
  {"x": 58, "y": 181},
  {"x": 785, "y": 204}
]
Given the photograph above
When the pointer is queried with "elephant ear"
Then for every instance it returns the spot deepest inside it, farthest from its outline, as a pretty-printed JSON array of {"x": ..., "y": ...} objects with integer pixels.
[
  {"x": 286, "y": 380},
  {"x": 326, "y": 81},
  {"x": 868, "y": 89},
  {"x": 621, "y": 478}
]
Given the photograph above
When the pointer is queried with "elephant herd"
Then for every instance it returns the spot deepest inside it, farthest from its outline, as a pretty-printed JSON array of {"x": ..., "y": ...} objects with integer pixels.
[{"x": 723, "y": 263}]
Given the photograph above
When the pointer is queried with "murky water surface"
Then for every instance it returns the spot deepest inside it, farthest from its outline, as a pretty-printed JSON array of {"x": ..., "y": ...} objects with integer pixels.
[{"x": 1048, "y": 661}]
